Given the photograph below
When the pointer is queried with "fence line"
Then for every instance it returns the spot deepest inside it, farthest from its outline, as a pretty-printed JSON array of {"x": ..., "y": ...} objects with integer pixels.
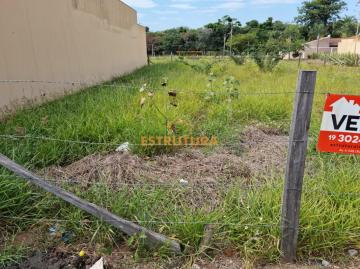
[
  {"x": 15, "y": 137},
  {"x": 148, "y": 184},
  {"x": 160, "y": 90},
  {"x": 260, "y": 93},
  {"x": 244, "y": 226},
  {"x": 57, "y": 140},
  {"x": 152, "y": 221},
  {"x": 189, "y": 185}
]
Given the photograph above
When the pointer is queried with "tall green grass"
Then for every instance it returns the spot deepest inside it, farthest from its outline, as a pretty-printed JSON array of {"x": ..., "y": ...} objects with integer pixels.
[{"x": 246, "y": 220}]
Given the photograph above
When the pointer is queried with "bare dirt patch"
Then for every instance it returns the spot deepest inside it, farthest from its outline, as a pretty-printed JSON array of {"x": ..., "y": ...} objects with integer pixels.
[
  {"x": 265, "y": 151},
  {"x": 190, "y": 165},
  {"x": 123, "y": 257},
  {"x": 264, "y": 154},
  {"x": 56, "y": 259}
]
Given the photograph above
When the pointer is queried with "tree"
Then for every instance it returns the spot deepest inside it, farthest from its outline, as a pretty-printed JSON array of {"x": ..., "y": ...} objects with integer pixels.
[
  {"x": 153, "y": 41},
  {"x": 244, "y": 43},
  {"x": 274, "y": 37},
  {"x": 316, "y": 31},
  {"x": 221, "y": 30},
  {"x": 292, "y": 38},
  {"x": 190, "y": 40},
  {"x": 268, "y": 42},
  {"x": 204, "y": 38},
  {"x": 345, "y": 27},
  {"x": 324, "y": 12},
  {"x": 172, "y": 40}
]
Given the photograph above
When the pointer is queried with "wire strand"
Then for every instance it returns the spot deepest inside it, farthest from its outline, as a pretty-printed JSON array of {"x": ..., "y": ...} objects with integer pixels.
[
  {"x": 118, "y": 144},
  {"x": 244, "y": 226},
  {"x": 189, "y": 185}
]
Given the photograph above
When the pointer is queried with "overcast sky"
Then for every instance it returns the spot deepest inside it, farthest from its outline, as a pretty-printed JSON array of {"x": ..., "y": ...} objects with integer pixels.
[{"x": 164, "y": 14}]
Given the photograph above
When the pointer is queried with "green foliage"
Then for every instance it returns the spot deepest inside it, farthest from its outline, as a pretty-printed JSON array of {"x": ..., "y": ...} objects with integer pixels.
[
  {"x": 345, "y": 59},
  {"x": 221, "y": 30},
  {"x": 211, "y": 79},
  {"x": 345, "y": 27},
  {"x": 266, "y": 62},
  {"x": 232, "y": 86},
  {"x": 292, "y": 39},
  {"x": 268, "y": 42},
  {"x": 200, "y": 66},
  {"x": 319, "y": 12},
  {"x": 317, "y": 30},
  {"x": 243, "y": 43},
  {"x": 238, "y": 60},
  {"x": 10, "y": 255},
  {"x": 316, "y": 18}
]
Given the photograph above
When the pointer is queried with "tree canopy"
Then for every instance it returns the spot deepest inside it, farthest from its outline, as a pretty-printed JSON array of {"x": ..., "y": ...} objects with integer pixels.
[
  {"x": 319, "y": 13},
  {"x": 315, "y": 18}
]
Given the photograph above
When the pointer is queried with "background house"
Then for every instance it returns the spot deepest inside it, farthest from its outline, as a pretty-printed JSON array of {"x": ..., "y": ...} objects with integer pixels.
[
  {"x": 65, "y": 41},
  {"x": 323, "y": 45},
  {"x": 350, "y": 45}
]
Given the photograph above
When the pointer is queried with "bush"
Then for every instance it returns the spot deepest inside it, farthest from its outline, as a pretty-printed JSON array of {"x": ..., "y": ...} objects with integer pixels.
[
  {"x": 348, "y": 59},
  {"x": 238, "y": 60},
  {"x": 266, "y": 62}
]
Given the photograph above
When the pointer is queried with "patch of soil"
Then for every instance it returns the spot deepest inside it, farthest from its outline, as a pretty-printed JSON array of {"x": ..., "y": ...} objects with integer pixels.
[
  {"x": 56, "y": 259},
  {"x": 190, "y": 165},
  {"x": 31, "y": 238},
  {"x": 220, "y": 262},
  {"x": 264, "y": 153},
  {"x": 234, "y": 262},
  {"x": 122, "y": 257},
  {"x": 354, "y": 264}
]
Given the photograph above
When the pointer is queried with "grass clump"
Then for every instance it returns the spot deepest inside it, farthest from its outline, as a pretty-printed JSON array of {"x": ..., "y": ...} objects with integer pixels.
[
  {"x": 344, "y": 59},
  {"x": 10, "y": 255}
]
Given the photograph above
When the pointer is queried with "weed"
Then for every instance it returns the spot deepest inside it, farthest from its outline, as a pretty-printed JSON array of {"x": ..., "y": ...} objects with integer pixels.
[
  {"x": 232, "y": 87},
  {"x": 10, "y": 254},
  {"x": 238, "y": 60},
  {"x": 348, "y": 59},
  {"x": 266, "y": 62}
]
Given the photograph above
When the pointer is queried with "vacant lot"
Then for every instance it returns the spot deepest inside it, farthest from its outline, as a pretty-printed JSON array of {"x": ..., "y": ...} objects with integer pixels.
[{"x": 236, "y": 186}]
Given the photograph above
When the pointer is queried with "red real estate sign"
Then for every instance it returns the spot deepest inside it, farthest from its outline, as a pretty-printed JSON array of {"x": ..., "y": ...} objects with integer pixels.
[{"x": 340, "y": 128}]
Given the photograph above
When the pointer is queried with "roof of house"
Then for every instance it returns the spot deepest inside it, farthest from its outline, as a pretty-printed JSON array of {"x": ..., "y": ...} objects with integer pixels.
[
  {"x": 333, "y": 42},
  {"x": 352, "y": 37}
]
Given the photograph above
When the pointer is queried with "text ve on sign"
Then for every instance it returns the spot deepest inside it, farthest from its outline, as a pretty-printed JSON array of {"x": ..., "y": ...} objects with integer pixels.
[{"x": 340, "y": 128}]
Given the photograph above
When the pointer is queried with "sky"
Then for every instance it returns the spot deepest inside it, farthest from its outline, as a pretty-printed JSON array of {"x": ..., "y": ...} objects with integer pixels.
[{"x": 164, "y": 14}]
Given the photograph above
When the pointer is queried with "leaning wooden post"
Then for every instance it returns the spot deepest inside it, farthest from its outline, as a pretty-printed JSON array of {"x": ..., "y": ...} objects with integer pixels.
[
  {"x": 128, "y": 227},
  {"x": 296, "y": 164}
]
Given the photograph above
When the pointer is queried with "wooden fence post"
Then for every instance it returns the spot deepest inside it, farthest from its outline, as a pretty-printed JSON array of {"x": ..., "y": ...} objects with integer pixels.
[
  {"x": 296, "y": 164},
  {"x": 128, "y": 227}
]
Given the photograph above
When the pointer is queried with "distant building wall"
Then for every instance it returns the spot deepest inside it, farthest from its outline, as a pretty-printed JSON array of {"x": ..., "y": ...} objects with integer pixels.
[
  {"x": 322, "y": 46},
  {"x": 349, "y": 46},
  {"x": 65, "y": 40}
]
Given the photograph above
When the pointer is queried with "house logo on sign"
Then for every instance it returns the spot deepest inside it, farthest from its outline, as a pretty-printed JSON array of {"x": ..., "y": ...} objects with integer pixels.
[
  {"x": 345, "y": 116},
  {"x": 340, "y": 128}
]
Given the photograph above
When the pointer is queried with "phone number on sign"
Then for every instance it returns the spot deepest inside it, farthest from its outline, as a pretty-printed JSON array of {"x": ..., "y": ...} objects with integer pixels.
[{"x": 354, "y": 139}]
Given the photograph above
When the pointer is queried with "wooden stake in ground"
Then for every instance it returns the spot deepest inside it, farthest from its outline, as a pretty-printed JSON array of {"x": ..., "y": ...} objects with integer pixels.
[
  {"x": 125, "y": 226},
  {"x": 296, "y": 164}
]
